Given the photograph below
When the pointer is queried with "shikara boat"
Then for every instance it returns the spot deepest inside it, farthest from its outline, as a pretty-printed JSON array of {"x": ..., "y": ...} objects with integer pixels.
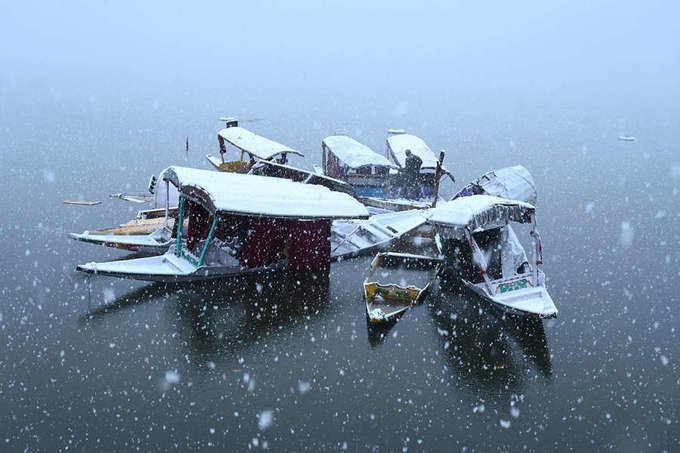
[
  {"x": 252, "y": 147},
  {"x": 398, "y": 141},
  {"x": 386, "y": 291},
  {"x": 355, "y": 163},
  {"x": 150, "y": 232},
  {"x": 239, "y": 224},
  {"x": 482, "y": 250}
]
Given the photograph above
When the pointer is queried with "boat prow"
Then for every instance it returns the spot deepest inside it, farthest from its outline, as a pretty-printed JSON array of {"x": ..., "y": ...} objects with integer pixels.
[
  {"x": 164, "y": 268},
  {"x": 156, "y": 242},
  {"x": 530, "y": 301}
]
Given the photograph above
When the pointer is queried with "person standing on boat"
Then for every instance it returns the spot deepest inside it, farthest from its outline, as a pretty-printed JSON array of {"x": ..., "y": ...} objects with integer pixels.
[{"x": 411, "y": 176}]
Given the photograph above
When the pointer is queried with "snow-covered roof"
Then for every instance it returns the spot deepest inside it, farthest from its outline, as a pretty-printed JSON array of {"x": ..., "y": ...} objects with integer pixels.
[
  {"x": 354, "y": 154},
  {"x": 258, "y": 146},
  {"x": 479, "y": 212},
  {"x": 514, "y": 183},
  {"x": 399, "y": 143},
  {"x": 262, "y": 196}
]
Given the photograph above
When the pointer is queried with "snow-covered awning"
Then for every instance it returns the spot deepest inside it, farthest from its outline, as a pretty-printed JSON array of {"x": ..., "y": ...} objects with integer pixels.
[
  {"x": 258, "y": 146},
  {"x": 354, "y": 154},
  {"x": 513, "y": 183},
  {"x": 262, "y": 196},
  {"x": 399, "y": 143},
  {"x": 478, "y": 213}
]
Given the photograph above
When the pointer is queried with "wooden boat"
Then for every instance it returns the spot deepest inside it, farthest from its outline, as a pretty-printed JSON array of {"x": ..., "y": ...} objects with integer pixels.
[
  {"x": 482, "y": 250},
  {"x": 398, "y": 141},
  {"x": 386, "y": 301},
  {"x": 150, "y": 232},
  {"x": 355, "y": 163},
  {"x": 238, "y": 224},
  {"x": 153, "y": 243},
  {"x": 250, "y": 145}
]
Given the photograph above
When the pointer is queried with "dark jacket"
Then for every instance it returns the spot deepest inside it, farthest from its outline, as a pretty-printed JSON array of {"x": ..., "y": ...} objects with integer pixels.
[{"x": 412, "y": 167}]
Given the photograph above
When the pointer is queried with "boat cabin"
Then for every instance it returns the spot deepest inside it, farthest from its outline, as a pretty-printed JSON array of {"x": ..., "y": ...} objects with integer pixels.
[
  {"x": 398, "y": 141},
  {"x": 355, "y": 163},
  {"x": 483, "y": 251},
  {"x": 252, "y": 222},
  {"x": 252, "y": 147}
]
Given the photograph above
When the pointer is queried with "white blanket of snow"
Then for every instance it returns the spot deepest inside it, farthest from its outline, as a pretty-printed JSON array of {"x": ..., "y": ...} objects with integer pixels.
[
  {"x": 266, "y": 196},
  {"x": 462, "y": 211},
  {"x": 163, "y": 265},
  {"x": 260, "y": 147},
  {"x": 141, "y": 240},
  {"x": 399, "y": 143},
  {"x": 354, "y": 154},
  {"x": 513, "y": 183}
]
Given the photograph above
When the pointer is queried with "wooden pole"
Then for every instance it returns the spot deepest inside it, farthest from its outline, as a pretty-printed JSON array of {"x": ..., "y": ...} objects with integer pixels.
[{"x": 437, "y": 176}]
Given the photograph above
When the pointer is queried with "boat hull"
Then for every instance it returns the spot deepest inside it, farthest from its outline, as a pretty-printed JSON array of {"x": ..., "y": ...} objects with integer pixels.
[
  {"x": 167, "y": 268},
  {"x": 530, "y": 302},
  {"x": 133, "y": 243}
]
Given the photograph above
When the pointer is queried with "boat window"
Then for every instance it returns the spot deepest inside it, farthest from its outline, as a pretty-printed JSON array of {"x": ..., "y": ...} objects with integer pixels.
[{"x": 381, "y": 171}]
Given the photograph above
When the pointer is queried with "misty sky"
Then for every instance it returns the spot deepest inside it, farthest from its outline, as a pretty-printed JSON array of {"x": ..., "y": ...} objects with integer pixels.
[{"x": 476, "y": 44}]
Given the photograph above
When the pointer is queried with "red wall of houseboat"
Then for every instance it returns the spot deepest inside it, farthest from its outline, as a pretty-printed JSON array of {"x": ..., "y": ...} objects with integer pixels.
[{"x": 309, "y": 246}]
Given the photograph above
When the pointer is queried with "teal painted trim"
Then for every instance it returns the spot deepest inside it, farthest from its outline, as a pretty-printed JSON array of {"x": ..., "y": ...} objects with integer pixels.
[
  {"x": 189, "y": 257},
  {"x": 178, "y": 249},
  {"x": 207, "y": 242}
]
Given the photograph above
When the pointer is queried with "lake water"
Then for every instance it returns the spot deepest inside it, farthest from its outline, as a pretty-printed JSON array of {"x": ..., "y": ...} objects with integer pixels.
[{"x": 268, "y": 362}]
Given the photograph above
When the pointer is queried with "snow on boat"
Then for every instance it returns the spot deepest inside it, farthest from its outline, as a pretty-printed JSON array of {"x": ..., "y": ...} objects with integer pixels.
[
  {"x": 150, "y": 232},
  {"x": 483, "y": 251},
  {"x": 627, "y": 138},
  {"x": 254, "y": 146},
  {"x": 355, "y": 163},
  {"x": 386, "y": 300},
  {"x": 351, "y": 238},
  {"x": 239, "y": 224},
  {"x": 276, "y": 170},
  {"x": 156, "y": 242},
  {"x": 398, "y": 142},
  {"x": 513, "y": 183}
]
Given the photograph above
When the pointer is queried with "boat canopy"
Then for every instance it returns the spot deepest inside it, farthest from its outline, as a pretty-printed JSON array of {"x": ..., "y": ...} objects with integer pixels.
[
  {"x": 234, "y": 193},
  {"x": 399, "y": 143},
  {"x": 477, "y": 213},
  {"x": 354, "y": 154},
  {"x": 254, "y": 144},
  {"x": 513, "y": 183}
]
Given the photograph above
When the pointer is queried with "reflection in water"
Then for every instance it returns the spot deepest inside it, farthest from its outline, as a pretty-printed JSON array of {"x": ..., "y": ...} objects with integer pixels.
[
  {"x": 378, "y": 332},
  {"x": 139, "y": 296},
  {"x": 477, "y": 342},
  {"x": 223, "y": 316},
  {"x": 238, "y": 313}
]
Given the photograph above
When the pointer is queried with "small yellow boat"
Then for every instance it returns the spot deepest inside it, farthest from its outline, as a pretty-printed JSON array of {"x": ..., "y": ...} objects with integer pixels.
[{"x": 386, "y": 302}]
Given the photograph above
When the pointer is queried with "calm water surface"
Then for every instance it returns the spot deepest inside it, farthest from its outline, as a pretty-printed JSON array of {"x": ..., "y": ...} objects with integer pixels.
[{"x": 289, "y": 363}]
